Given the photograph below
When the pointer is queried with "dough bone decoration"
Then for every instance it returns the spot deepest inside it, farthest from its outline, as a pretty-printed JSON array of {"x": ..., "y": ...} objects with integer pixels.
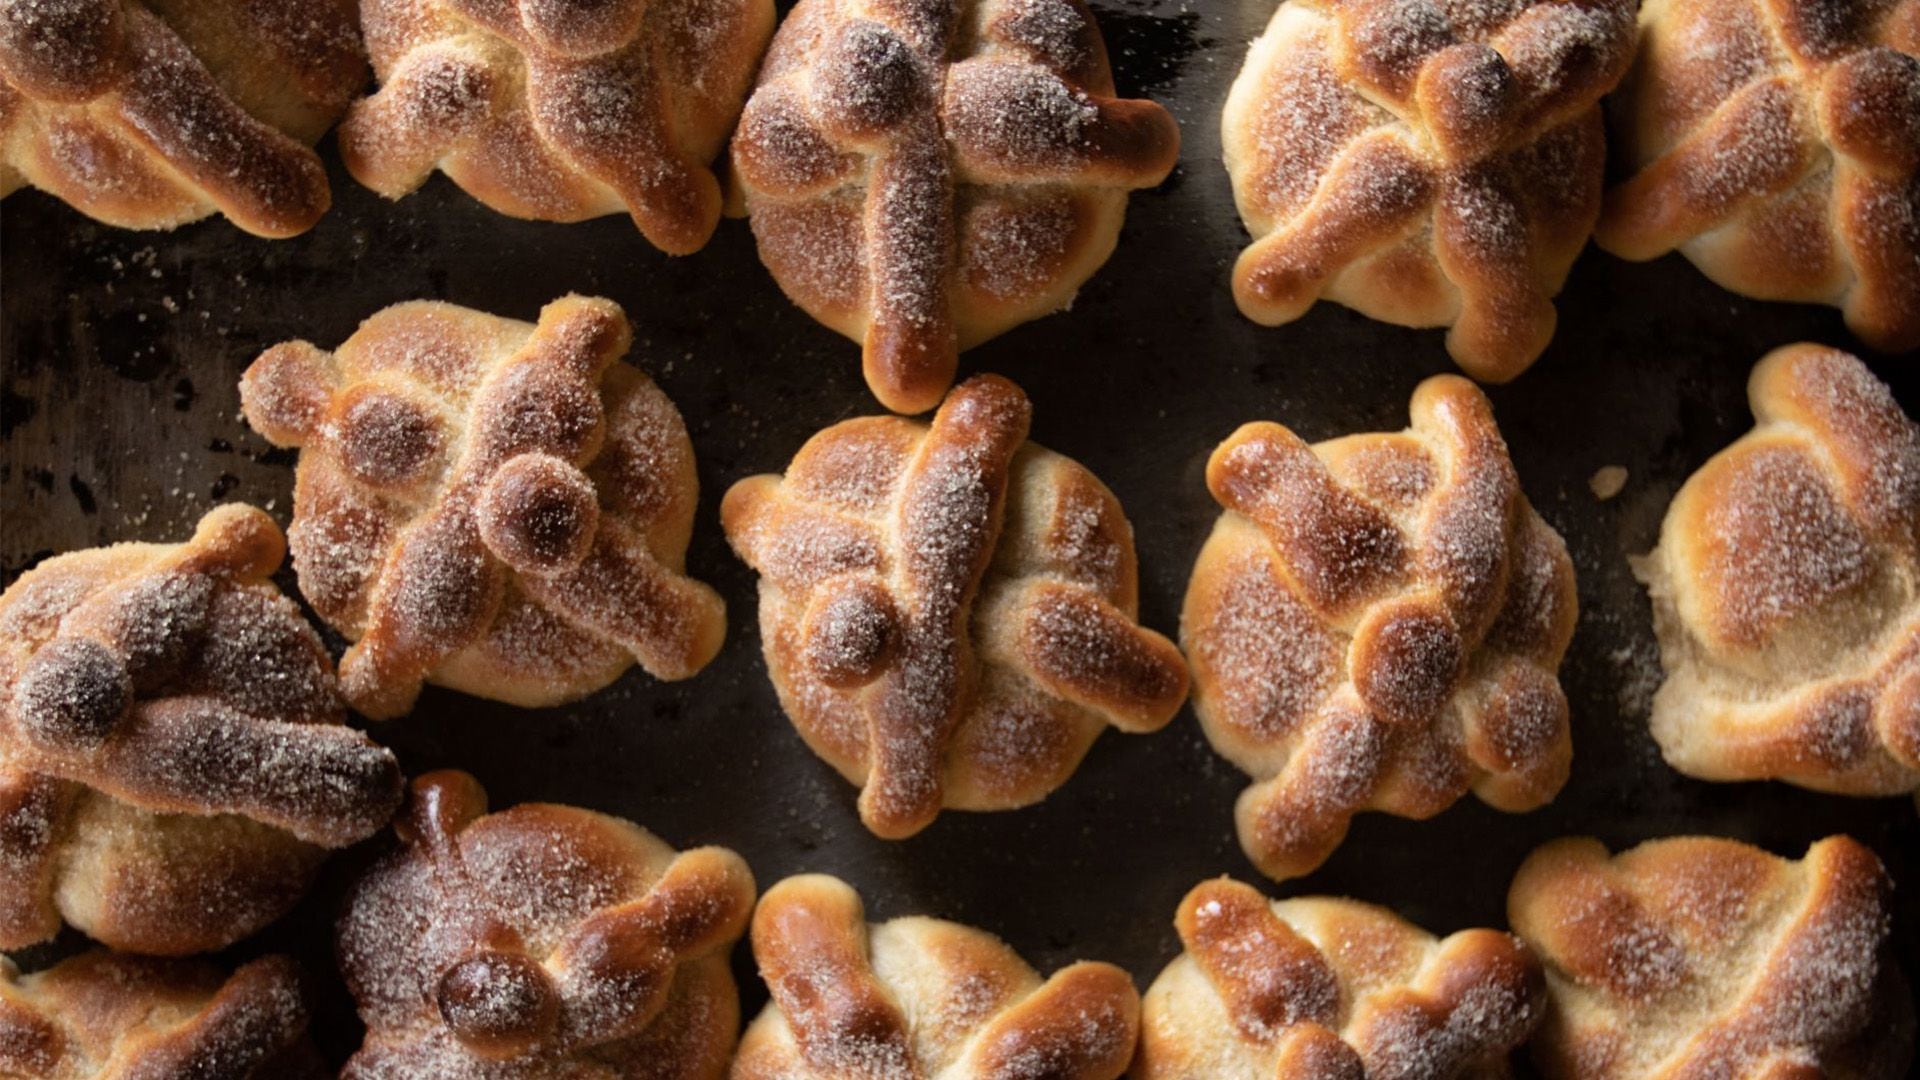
[
  {"x": 173, "y": 759},
  {"x": 1786, "y": 589},
  {"x": 494, "y": 506},
  {"x": 113, "y": 1015},
  {"x": 1320, "y": 988},
  {"x": 922, "y": 175},
  {"x": 541, "y": 942},
  {"x": 919, "y": 998},
  {"x": 1696, "y": 956},
  {"x": 560, "y": 110},
  {"x": 1377, "y": 623},
  {"x": 148, "y": 114},
  {"x": 1427, "y": 164},
  {"x": 947, "y": 610},
  {"x": 1776, "y": 144}
]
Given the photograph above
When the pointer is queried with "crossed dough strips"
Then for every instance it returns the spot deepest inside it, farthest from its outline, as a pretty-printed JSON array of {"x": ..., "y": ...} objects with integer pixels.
[
  {"x": 104, "y": 1014},
  {"x": 1317, "y": 988},
  {"x": 919, "y": 998},
  {"x": 1424, "y": 162},
  {"x": 149, "y": 114},
  {"x": 1695, "y": 957},
  {"x": 491, "y": 506},
  {"x": 172, "y": 759},
  {"x": 1377, "y": 623},
  {"x": 924, "y": 174},
  {"x": 947, "y": 610},
  {"x": 539, "y": 943},
  {"x": 560, "y": 110},
  {"x": 1786, "y": 589},
  {"x": 1777, "y": 144}
]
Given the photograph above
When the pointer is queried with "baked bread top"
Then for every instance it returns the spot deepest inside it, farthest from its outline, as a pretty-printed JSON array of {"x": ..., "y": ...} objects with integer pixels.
[
  {"x": 490, "y": 505},
  {"x": 1777, "y": 144},
  {"x": 1429, "y": 164},
  {"x": 171, "y": 743},
  {"x": 924, "y": 174},
  {"x": 148, "y": 114},
  {"x": 1693, "y": 957},
  {"x": 1786, "y": 589},
  {"x": 1331, "y": 989},
  {"x": 948, "y": 610},
  {"x": 541, "y": 942},
  {"x": 104, "y": 1014},
  {"x": 1377, "y": 623},
  {"x": 918, "y": 998},
  {"x": 560, "y": 110}
]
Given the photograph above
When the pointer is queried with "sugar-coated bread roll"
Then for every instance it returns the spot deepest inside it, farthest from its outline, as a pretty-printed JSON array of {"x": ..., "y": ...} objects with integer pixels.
[
  {"x": 490, "y": 505},
  {"x": 1698, "y": 957},
  {"x": 173, "y": 762},
  {"x": 541, "y": 942},
  {"x": 114, "y": 1016},
  {"x": 1776, "y": 143},
  {"x": 1786, "y": 589},
  {"x": 947, "y": 610},
  {"x": 560, "y": 110},
  {"x": 918, "y": 997},
  {"x": 924, "y": 174},
  {"x": 149, "y": 114},
  {"x": 1377, "y": 623},
  {"x": 1424, "y": 162},
  {"x": 1320, "y": 988}
]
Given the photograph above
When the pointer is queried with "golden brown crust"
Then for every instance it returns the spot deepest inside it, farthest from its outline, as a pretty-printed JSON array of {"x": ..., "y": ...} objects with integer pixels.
[
  {"x": 560, "y": 110},
  {"x": 1777, "y": 144},
  {"x": 916, "y": 998},
  {"x": 1786, "y": 589},
  {"x": 541, "y": 942},
  {"x": 925, "y": 174},
  {"x": 1429, "y": 164},
  {"x": 148, "y": 114},
  {"x": 489, "y": 505},
  {"x": 104, "y": 1014},
  {"x": 1316, "y": 987},
  {"x": 172, "y": 753},
  {"x": 947, "y": 610},
  {"x": 1377, "y": 623},
  {"x": 1694, "y": 957}
]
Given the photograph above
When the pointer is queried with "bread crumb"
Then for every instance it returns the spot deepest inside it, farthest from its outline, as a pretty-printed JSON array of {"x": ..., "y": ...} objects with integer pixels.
[{"x": 1607, "y": 481}]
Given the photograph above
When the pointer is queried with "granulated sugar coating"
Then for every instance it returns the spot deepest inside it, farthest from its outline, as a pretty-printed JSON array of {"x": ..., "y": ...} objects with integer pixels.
[
  {"x": 1786, "y": 589},
  {"x": 1377, "y": 623},
  {"x": 172, "y": 753},
  {"x": 1777, "y": 145},
  {"x": 149, "y": 114},
  {"x": 920, "y": 997},
  {"x": 924, "y": 175},
  {"x": 1697, "y": 956},
  {"x": 947, "y": 610},
  {"x": 539, "y": 943},
  {"x": 1323, "y": 987},
  {"x": 490, "y": 505},
  {"x": 560, "y": 111},
  {"x": 1426, "y": 162}
]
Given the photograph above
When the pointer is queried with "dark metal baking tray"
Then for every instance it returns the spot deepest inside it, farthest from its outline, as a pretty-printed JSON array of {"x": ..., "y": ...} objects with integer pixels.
[{"x": 120, "y": 351}]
